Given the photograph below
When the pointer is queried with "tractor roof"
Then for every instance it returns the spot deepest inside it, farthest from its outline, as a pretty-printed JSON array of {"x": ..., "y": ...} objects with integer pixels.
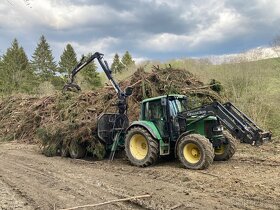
[{"x": 163, "y": 96}]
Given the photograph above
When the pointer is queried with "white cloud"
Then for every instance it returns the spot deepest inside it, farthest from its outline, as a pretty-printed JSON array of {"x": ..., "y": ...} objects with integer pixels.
[
  {"x": 59, "y": 15},
  {"x": 226, "y": 25},
  {"x": 101, "y": 45},
  {"x": 165, "y": 42},
  {"x": 13, "y": 15},
  {"x": 158, "y": 28},
  {"x": 172, "y": 4}
]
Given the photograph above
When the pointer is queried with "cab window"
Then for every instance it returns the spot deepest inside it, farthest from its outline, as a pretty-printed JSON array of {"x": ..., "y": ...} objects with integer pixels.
[
  {"x": 176, "y": 106},
  {"x": 153, "y": 110}
]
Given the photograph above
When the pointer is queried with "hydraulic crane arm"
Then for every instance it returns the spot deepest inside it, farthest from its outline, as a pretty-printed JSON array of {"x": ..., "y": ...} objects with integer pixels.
[
  {"x": 122, "y": 95},
  {"x": 236, "y": 122},
  {"x": 103, "y": 64}
]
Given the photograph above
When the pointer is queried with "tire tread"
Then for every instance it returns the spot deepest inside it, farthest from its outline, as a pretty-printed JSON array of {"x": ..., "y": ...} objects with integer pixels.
[
  {"x": 207, "y": 147},
  {"x": 153, "y": 152}
]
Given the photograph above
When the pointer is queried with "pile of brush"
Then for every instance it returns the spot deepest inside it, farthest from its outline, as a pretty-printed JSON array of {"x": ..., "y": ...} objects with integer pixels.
[{"x": 59, "y": 119}]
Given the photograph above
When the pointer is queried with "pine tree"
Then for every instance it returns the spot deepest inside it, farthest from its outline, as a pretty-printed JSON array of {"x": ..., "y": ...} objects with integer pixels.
[
  {"x": 68, "y": 60},
  {"x": 117, "y": 66},
  {"x": 16, "y": 74},
  {"x": 127, "y": 60},
  {"x": 90, "y": 75},
  {"x": 43, "y": 60}
]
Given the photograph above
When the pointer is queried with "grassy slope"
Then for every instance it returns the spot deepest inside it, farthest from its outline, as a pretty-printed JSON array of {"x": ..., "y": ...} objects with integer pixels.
[{"x": 254, "y": 87}]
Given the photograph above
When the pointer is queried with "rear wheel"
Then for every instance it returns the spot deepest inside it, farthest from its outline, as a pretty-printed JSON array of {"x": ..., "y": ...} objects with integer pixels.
[
  {"x": 226, "y": 151},
  {"x": 76, "y": 150},
  {"x": 64, "y": 151},
  {"x": 140, "y": 147},
  {"x": 195, "y": 151}
]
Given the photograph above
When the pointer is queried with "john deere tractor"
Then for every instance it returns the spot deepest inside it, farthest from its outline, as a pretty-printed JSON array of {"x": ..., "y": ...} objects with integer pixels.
[
  {"x": 167, "y": 127},
  {"x": 164, "y": 129}
]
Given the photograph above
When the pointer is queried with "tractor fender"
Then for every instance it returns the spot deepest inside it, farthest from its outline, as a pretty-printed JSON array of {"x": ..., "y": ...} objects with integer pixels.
[
  {"x": 178, "y": 140},
  {"x": 149, "y": 126}
]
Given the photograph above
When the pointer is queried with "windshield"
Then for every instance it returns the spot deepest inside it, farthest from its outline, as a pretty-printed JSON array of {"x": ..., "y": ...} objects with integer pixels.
[{"x": 177, "y": 105}]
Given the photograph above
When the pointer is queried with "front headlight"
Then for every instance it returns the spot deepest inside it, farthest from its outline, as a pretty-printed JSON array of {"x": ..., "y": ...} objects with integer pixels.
[{"x": 218, "y": 128}]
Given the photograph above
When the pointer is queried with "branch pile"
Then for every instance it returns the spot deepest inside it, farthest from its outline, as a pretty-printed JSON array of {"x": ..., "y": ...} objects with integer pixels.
[{"x": 61, "y": 118}]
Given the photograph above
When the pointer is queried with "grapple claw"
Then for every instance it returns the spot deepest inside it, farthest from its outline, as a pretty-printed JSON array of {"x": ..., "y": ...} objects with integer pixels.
[{"x": 71, "y": 87}]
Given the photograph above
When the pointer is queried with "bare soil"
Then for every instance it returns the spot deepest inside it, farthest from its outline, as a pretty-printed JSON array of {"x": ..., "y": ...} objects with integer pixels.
[{"x": 29, "y": 180}]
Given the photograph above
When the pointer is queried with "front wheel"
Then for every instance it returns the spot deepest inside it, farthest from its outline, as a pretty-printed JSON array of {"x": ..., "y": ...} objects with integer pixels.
[
  {"x": 140, "y": 147},
  {"x": 226, "y": 151},
  {"x": 195, "y": 151}
]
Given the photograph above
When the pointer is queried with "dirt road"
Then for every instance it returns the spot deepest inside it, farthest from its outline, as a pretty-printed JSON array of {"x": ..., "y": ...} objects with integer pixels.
[{"x": 29, "y": 180}]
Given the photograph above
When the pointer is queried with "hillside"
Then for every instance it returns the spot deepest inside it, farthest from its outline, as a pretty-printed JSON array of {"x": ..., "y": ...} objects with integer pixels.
[
  {"x": 253, "y": 86},
  {"x": 255, "y": 54}
]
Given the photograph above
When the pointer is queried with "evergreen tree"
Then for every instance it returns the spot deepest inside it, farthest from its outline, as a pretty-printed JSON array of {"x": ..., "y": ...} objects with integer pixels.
[
  {"x": 68, "y": 60},
  {"x": 127, "y": 60},
  {"x": 117, "y": 66},
  {"x": 90, "y": 75},
  {"x": 16, "y": 74},
  {"x": 43, "y": 60}
]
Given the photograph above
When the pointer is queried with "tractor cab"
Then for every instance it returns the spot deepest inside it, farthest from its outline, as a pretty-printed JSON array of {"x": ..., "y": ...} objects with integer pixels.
[
  {"x": 167, "y": 114},
  {"x": 162, "y": 112}
]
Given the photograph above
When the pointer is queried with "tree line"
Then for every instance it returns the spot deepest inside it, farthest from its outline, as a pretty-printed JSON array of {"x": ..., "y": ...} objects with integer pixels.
[{"x": 18, "y": 74}]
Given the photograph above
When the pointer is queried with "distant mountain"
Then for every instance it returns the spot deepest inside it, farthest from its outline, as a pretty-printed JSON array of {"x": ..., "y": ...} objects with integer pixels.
[{"x": 255, "y": 54}]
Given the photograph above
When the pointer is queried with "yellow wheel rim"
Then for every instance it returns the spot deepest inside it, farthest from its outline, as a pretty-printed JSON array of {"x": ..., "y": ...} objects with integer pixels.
[
  {"x": 191, "y": 153},
  {"x": 138, "y": 146},
  {"x": 220, "y": 150}
]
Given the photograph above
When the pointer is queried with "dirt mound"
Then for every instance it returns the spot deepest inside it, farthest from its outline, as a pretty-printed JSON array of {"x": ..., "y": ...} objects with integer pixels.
[{"x": 62, "y": 118}]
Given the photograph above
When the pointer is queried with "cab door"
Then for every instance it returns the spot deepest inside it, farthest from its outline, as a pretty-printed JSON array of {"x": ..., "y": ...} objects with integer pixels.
[{"x": 156, "y": 113}]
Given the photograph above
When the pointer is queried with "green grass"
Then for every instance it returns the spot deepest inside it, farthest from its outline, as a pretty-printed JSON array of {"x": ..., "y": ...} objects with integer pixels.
[{"x": 254, "y": 87}]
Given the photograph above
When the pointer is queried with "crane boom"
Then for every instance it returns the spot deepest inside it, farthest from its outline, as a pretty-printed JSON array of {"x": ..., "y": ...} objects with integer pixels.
[{"x": 122, "y": 95}]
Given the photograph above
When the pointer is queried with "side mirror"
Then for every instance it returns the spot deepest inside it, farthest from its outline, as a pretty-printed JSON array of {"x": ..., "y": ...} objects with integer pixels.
[{"x": 128, "y": 91}]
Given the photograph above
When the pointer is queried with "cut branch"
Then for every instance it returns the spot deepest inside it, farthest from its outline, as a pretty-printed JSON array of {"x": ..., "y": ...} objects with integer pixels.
[{"x": 108, "y": 202}]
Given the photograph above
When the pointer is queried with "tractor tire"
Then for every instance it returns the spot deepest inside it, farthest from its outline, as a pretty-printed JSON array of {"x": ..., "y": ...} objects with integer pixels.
[
  {"x": 195, "y": 152},
  {"x": 141, "y": 148},
  {"x": 64, "y": 152},
  {"x": 226, "y": 151},
  {"x": 76, "y": 150}
]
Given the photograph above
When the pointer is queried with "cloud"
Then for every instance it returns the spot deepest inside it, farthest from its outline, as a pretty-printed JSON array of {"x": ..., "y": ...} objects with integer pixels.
[
  {"x": 59, "y": 15},
  {"x": 101, "y": 45},
  {"x": 225, "y": 25},
  {"x": 157, "y": 29}
]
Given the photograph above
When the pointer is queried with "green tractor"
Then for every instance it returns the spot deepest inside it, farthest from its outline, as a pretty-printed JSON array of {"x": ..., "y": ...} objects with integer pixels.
[
  {"x": 164, "y": 129},
  {"x": 168, "y": 127}
]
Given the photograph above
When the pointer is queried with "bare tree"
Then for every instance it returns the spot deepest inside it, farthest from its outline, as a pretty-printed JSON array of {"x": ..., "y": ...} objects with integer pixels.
[
  {"x": 275, "y": 44},
  {"x": 26, "y": 2}
]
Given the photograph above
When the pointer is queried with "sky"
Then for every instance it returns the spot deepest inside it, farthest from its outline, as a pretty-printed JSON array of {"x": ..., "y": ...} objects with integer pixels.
[{"x": 148, "y": 29}]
